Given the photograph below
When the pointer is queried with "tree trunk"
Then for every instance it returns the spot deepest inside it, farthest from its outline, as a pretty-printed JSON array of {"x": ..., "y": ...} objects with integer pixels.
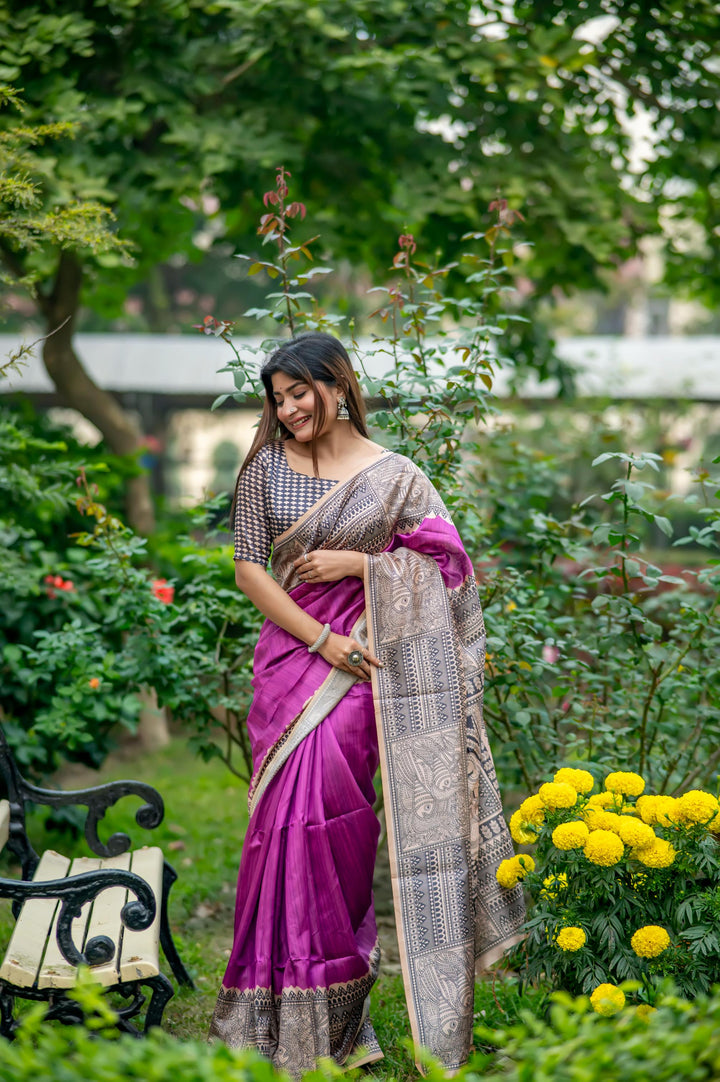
[
  {"x": 153, "y": 731},
  {"x": 78, "y": 390}
]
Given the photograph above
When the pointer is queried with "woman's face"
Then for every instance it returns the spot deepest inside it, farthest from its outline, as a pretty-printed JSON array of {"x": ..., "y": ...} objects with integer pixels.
[{"x": 295, "y": 403}]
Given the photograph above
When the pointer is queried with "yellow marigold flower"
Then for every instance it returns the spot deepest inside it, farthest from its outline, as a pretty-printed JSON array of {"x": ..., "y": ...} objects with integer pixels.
[
  {"x": 636, "y": 835},
  {"x": 667, "y": 810},
  {"x": 645, "y": 1011},
  {"x": 557, "y": 794},
  {"x": 625, "y": 782},
  {"x": 597, "y": 819},
  {"x": 603, "y": 847},
  {"x": 658, "y": 810},
  {"x": 513, "y": 870},
  {"x": 658, "y": 855},
  {"x": 603, "y": 800},
  {"x": 553, "y": 884},
  {"x": 600, "y": 800},
  {"x": 570, "y": 939},
  {"x": 608, "y": 999},
  {"x": 649, "y": 941},
  {"x": 697, "y": 806},
  {"x": 520, "y": 831},
  {"x": 570, "y": 836},
  {"x": 582, "y": 781},
  {"x": 506, "y": 874},
  {"x": 714, "y": 825},
  {"x": 645, "y": 806},
  {"x": 532, "y": 810}
]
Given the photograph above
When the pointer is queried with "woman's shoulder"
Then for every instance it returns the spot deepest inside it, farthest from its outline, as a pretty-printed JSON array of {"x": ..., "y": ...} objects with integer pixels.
[
  {"x": 403, "y": 464},
  {"x": 266, "y": 455}
]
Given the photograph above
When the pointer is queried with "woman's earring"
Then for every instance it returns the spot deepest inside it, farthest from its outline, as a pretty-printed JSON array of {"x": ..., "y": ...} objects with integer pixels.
[{"x": 342, "y": 410}]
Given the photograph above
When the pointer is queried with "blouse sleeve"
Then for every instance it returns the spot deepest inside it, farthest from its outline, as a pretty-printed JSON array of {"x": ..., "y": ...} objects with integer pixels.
[{"x": 253, "y": 540}]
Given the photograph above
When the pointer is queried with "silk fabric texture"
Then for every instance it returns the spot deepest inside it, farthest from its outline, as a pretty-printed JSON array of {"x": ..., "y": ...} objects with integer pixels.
[{"x": 305, "y": 951}]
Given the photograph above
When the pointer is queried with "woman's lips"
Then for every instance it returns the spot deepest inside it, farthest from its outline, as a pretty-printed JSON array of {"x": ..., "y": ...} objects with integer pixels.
[{"x": 300, "y": 423}]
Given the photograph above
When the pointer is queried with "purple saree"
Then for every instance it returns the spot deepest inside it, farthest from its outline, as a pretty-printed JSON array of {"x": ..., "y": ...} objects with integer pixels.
[{"x": 305, "y": 951}]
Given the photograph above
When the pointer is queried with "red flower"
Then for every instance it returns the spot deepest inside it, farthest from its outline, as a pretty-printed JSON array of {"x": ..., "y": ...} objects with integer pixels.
[
  {"x": 216, "y": 327},
  {"x": 53, "y": 583},
  {"x": 506, "y": 215},
  {"x": 162, "y": 591},
  {"x": 94, "y": 682}
]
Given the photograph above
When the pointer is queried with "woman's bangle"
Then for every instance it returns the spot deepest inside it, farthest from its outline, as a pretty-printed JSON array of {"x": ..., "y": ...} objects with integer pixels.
[{"x": 320, "y": 640}]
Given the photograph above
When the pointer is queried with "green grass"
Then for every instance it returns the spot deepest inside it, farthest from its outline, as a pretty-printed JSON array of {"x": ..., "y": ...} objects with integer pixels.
[{"x": 201, "y": 835}]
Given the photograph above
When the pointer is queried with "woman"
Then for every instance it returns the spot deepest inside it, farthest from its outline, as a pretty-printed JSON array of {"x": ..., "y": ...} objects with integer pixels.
[{"x": 373, "y": 649}]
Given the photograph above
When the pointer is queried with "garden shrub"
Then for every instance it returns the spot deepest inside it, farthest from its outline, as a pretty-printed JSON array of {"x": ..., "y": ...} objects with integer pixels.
[
  {"x": 51, "y": 1052},
  {"x": 86, "y": 623},
  {"x": 679, "y": 1042},
  {"x": 596, "y": 654},
  {"x": 39, "y": 463},
  {"x": 624, "y": 886}
]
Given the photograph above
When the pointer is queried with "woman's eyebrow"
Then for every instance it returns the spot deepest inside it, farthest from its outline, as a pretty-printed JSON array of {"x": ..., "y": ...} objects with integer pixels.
[{"x": 287, "y": 390}]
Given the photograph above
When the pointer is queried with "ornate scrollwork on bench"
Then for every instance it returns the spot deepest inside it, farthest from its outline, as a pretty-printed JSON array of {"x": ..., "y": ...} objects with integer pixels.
[{"x": 109, "y": 912}]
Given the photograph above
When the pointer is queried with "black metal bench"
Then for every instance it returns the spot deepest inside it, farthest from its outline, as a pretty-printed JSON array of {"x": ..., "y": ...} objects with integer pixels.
[{"x": 108, "y": 912}]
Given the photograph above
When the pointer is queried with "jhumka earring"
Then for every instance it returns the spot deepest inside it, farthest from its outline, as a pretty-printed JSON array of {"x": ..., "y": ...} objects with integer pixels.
[{"x": 342, "y": 410}]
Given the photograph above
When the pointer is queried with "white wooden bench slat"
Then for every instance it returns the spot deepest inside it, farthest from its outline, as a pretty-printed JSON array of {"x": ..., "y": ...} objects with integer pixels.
[
  {"x": 33, "y": 956},
  {"x": 140, "y": 950},
  {"x": 55, "y": 972},
  {"x": 25, "y": 950},
  {"x": 4, "y": 823},
  {"x": 105, "y": 920}
]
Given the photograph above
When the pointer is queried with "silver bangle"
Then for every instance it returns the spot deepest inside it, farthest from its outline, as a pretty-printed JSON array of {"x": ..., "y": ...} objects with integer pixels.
[{"x": 320, "y": 640}]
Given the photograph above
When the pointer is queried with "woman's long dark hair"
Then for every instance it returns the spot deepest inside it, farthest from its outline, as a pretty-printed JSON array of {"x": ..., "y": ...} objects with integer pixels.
[{"x": 313, "y": 358}]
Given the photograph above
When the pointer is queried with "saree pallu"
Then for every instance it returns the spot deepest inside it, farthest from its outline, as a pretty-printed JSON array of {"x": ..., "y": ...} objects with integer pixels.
[{"x": 305, "y": 952}]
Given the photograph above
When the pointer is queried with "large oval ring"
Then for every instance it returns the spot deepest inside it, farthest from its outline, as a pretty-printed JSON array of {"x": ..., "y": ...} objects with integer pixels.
[{"x": 355, "y": 657}]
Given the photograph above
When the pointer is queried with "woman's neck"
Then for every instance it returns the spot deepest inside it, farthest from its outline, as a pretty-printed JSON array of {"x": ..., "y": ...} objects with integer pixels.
[{"x": 343, "y": 440}]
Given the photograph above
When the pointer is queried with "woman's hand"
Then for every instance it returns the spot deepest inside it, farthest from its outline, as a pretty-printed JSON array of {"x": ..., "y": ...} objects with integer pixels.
[
  {"x": 329, "y": 565},
  {"x": 336, "y": 650}
]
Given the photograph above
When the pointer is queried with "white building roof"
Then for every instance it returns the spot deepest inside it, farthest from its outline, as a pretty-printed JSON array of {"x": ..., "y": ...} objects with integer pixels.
[{"x": 655, "y": 367}]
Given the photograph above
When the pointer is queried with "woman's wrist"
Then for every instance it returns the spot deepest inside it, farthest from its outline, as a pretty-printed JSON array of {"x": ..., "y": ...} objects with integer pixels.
[
  {"x": 320, "y": 640},
  {"x": 314, "y": 631}
]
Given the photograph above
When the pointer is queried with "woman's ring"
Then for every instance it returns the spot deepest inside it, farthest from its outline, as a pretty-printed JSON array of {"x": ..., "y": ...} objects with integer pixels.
[
  {"x": 307, "y": 558},
  {"x": 355, "y": 657}
]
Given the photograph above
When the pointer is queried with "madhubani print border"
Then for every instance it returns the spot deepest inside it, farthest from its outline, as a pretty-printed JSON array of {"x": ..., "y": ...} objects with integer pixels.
[
  {"x": 436, "y": 953},
  {"x": 355, "y": 515},
  {"x": 298, "y": 1026},
  {"x": 450, "y": 910}
]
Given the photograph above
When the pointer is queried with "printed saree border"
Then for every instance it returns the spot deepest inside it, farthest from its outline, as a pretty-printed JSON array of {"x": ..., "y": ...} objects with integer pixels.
[
  {"x": 277, "y": 1023},
  {"x": 283, "y": 538}
]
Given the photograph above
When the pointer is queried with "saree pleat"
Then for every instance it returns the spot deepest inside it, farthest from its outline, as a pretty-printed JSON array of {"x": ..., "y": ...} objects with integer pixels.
[{"x": 305, "y": 951}]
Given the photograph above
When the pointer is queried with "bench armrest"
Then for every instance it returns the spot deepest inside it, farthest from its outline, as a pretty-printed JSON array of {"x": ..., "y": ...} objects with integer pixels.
[
  {"x": 97, "y": 800},
  {"x": 76, "y": 891}
]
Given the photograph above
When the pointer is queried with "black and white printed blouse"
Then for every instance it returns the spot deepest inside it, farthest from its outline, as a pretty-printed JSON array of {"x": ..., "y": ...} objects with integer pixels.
[{"x": 271, "y": 497}]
